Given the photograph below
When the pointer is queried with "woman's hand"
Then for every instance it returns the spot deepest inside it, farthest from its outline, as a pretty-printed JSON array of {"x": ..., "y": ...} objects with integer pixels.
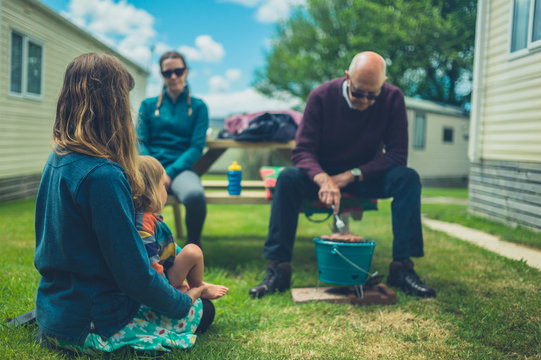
[{"x": 195, "y": 292}]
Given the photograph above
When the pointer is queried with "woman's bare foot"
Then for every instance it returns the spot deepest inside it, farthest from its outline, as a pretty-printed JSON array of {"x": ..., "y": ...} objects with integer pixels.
[{"x": 212, "y": 291}]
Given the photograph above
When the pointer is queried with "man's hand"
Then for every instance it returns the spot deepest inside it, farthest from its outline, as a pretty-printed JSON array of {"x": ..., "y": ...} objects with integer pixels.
[
  {"x": 329, "y": 192},
  {"x": 343, "y": 179}
]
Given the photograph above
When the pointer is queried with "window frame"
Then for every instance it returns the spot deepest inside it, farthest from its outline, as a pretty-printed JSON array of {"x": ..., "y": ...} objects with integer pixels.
[
  {"x": 26, "y": 40},
  {"x": 452, "y": 131},
  {"x": 531, "y": 46},
  {"x": 535, "y": 44}
]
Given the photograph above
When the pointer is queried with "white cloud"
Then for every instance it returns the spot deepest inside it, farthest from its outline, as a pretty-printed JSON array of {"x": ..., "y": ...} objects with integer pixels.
[
  {"x": 161, "y": 48},
  {"x": 119, "y": 25},
  {"x": 269, "y": 11},
  {"x": 272, "y": 11},
  {"x": 190, "y": 53},
  {"x": 245, "y": 101},
  {"x": 233, "y": 74},
  {"x": 206, "y": 50},
  {"x": 218, "y": 84}
]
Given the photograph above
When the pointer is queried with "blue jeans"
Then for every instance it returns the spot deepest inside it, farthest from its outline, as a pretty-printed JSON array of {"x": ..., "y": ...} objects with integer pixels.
[
  {"x": 401, "y": 183},
  {"x": 187, "y": 187}
]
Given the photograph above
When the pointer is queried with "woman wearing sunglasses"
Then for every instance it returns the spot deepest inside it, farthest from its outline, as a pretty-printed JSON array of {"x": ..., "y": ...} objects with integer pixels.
[{"x": 172, "y": 128}]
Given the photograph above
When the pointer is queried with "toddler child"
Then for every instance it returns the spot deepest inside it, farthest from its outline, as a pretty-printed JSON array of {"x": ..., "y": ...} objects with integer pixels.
[{"x": 177, "y": 266}]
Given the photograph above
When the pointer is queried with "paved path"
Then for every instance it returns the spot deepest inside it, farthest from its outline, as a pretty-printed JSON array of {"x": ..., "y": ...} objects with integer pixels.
[
  {"x": 490, "y": 242},
  {"x": 443, "y": 200}
]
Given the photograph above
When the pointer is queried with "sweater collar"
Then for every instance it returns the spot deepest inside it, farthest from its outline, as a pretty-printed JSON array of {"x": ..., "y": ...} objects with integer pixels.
[
  {"x": 181, "y": 97},
  {"x": 345, "y": 94}
]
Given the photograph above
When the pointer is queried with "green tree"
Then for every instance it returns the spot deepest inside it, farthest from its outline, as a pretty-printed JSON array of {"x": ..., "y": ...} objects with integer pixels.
[{"x": 428, "y": 45}]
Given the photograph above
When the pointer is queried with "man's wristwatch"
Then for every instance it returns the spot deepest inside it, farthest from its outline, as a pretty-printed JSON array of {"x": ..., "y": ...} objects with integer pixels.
[{"x": 356, "y": 172}]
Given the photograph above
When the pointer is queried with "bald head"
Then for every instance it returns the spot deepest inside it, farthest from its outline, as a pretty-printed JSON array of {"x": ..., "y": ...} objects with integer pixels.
[
  {"x": 365, "y": 79},
  {"x": 368, "y": 67}
]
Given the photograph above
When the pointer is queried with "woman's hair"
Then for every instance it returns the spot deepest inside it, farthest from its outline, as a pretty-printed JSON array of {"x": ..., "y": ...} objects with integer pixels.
[
  {"x": 93, "y": 115},
  {"x": 152, "y": 173},
  {"x": 173, "y": 55}
]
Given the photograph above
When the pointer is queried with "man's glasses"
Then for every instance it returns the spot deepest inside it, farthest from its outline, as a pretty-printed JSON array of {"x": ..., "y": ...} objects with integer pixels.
[
  {"x": 360, "y": 95},
  {"x": 178, "y": 72}
]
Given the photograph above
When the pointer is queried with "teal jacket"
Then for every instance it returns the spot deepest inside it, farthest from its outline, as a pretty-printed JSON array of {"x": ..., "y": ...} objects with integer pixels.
[
  {"x": 93, "y": 264},
  {"x": 174, "y": 138}
]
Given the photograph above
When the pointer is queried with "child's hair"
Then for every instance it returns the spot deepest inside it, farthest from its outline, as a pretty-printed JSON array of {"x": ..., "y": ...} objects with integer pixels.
[
  {"x": 173, "y": 55},
  {"x": 152, "y": 173},
  {"x": 93, "y": 113}
]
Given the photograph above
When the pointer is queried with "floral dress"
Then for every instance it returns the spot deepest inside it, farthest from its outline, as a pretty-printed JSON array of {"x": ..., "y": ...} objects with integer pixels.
[{"x": 148, "y": 330}]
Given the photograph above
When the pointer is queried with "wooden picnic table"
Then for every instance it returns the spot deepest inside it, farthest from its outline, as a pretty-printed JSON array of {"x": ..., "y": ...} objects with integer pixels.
[{"x": 253, "y": 191}]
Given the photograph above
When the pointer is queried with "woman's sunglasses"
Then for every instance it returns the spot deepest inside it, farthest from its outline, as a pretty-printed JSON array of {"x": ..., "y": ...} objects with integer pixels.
[{"x": 178, "y": 72}]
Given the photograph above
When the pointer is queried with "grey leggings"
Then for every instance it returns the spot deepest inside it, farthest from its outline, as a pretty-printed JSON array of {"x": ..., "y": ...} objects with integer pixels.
[{"x": 187, "y": 187}]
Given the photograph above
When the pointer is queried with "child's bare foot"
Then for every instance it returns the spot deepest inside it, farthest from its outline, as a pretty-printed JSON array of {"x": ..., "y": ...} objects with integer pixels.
[{"x": 213, "y": 291}]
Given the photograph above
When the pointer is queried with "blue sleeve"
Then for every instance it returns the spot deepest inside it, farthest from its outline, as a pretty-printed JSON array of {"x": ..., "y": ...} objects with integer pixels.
[
  {"x": 197, "y": 142},
  {"x": 143, "y": 128},
  {"x": 113, "y": 221}
]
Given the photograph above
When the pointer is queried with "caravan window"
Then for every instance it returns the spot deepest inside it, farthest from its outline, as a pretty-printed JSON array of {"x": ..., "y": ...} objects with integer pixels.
[
  {"x": 419, "y": 131},
  {"x": 448, "y": 135},
  {"x": 536, "y": 21},
  {"x": 526, "y": 25},
  {"x": 26, "y": 66}
]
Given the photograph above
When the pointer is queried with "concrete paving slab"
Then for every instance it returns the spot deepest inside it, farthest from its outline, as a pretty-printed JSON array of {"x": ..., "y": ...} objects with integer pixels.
[
  {"x": 487, "y": 241},
  {"x": 379, "y": 294}
]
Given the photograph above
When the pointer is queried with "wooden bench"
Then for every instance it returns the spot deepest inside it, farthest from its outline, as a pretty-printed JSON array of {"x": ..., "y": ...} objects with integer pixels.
[{"x": 253, "y": 192}]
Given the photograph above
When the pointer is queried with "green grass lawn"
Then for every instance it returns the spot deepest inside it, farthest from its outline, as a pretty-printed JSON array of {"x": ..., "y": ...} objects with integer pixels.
[{"x": 488, "y": 307}]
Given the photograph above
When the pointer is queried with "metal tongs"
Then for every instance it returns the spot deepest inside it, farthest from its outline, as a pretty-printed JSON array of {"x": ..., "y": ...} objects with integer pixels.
[{"x": 339, "y": 222}]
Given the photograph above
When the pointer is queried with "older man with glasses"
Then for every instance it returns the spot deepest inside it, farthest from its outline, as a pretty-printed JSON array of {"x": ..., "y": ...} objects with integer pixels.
[{"x": 353, "y": 138}]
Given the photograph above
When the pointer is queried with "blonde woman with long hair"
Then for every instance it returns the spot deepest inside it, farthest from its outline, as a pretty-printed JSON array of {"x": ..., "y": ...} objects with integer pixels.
[{"x": 97, "y": 291}]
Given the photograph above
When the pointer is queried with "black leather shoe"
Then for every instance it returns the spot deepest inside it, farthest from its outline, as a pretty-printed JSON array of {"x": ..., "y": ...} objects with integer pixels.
[
  {"x": 278, "y": 277},
  {"x": 402, "y": 275}
]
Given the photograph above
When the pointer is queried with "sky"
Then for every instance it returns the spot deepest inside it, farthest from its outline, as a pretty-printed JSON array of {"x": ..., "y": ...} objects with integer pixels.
[{"x": 224, "y": 42}]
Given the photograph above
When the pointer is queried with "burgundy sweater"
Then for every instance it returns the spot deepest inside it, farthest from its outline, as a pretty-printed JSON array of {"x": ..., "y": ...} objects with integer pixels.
[{"x": 333, "y": 138}]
